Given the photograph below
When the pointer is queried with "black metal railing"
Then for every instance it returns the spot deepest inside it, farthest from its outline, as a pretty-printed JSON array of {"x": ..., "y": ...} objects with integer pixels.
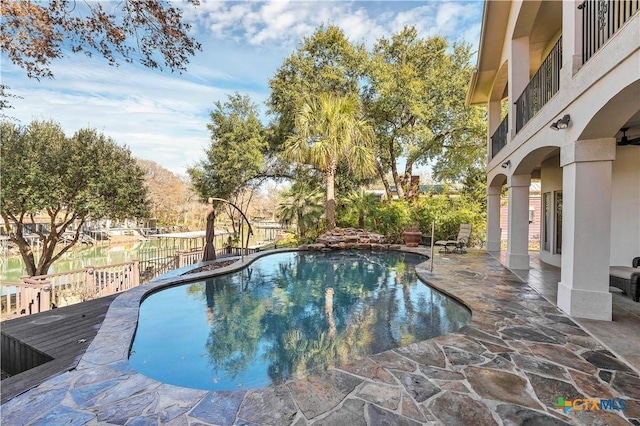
[
  {"x": 499, "y": 137},
  {"x": 157, "y": 261},
  {"x": 543, "y": 85},
  {"x": 601, "y": 19}
]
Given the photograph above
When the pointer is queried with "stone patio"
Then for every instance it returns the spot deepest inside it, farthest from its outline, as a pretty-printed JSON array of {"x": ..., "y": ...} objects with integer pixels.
[{"x": 509, "y": 365}]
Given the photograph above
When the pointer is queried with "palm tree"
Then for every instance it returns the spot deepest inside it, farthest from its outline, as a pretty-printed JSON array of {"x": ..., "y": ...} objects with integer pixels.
[
  {"x": 301, "y": 203},
  {"x": 361, "y": 203},
  {"x": 330, "y": 129}
]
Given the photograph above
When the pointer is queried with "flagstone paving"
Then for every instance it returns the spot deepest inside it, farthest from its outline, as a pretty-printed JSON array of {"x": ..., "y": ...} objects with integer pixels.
[{"x": 508, "y": 366}]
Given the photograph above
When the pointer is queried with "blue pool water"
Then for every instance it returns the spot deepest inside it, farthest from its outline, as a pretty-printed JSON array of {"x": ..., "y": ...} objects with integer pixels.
[{"x": 285, "y": 316}]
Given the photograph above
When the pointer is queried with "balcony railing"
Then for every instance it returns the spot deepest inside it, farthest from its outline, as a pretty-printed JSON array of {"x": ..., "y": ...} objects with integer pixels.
[
  {"x": 600, "y": 21},
  {"x": 544, "y": 84},
  {"x": 499, "y": 138}
]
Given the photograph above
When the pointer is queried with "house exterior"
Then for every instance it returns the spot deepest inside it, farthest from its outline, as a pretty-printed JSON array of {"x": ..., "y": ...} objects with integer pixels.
[{"x": 560, "y": 80}]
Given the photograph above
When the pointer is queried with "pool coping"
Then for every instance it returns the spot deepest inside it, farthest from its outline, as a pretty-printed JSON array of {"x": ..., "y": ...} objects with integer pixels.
[{"x": 104, "y": 387}]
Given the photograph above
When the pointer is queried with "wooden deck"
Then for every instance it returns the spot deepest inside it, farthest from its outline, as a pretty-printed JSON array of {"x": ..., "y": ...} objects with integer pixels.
[{"x": 63, "y": 334}]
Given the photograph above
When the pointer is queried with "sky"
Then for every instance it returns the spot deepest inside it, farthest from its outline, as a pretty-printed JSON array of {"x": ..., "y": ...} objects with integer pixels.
[{"x": 163, "y": 116}]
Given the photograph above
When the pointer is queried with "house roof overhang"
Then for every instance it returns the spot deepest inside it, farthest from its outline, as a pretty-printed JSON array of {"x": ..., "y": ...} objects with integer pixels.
[{"x": 495, "y": 18}]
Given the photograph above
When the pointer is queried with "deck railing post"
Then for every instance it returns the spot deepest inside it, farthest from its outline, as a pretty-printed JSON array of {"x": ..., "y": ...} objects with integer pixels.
[
  {"x": 22, "y": 302},
  {"x": 135, "y": 276},
  {"x": 89, "y": 279},
  {"x": 44, "y": 296}
]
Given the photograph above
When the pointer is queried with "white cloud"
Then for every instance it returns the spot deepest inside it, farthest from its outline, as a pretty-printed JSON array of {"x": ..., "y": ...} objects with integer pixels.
[
  {"x": 163, "y": 116},
  {"x": 280, "y": 24}
]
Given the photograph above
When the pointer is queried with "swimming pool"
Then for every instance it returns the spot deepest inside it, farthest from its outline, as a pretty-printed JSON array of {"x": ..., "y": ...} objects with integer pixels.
[{"x": 288, "y": 315}]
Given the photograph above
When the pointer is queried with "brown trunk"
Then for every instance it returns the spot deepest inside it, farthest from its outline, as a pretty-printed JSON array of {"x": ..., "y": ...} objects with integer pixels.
[
  {"x": 23, "y": 246},
  {"x": 408, "y": 172},
  {"x": 50, "y": 242},
  {"x": 387, "y": 187},
  {"x": 48, "y": 247},
  {"x": 331, "y": 199},
  {"x": 27, "y": 257},
  {"x": 394, "y": 173}
]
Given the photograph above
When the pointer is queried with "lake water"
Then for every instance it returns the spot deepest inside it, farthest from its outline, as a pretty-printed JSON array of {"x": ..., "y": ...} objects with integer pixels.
[
  {"x": 101, "y": 254},
  {"x": 12, "y": 267}
]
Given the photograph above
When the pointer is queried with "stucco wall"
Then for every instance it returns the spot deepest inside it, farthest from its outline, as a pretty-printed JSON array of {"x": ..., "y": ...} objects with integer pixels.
[
  {"x": 625, "y": 206},
  {"x": 551, "y": 181}
]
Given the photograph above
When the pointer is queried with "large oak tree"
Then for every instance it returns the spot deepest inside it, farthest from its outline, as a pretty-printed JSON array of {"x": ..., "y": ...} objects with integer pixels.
[
  {"x": 415, "y": 93},
  {"x": 235, "y": 160},
  {"x": 325, "y": 62},
  {"x": 412, "y": 89},
  {"x": 63, "y": 182}
]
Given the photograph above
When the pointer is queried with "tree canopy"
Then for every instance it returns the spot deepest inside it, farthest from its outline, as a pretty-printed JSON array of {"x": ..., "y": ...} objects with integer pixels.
[
  {"x": 411, "y": 88},
  {"x": 170, "y": 197},
  {"x": 47, "y": 177},
  {"x": 325, "y": 62},
  {"x": 235, "y": 156},
  {"x": 415, "y": 92},
  {"x": 150, "y": 32}
]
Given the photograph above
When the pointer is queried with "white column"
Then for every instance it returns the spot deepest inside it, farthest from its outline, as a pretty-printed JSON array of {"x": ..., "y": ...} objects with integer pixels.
[
  {"x": 493, "y": 218},
  {"x": 571, "y": 40},
  {"x": 586, "y": 228},
  {"x": 518, "y": 233}
]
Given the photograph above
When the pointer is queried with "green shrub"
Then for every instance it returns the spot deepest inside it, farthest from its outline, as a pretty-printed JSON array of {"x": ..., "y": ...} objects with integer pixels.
[
  {"x": 448, "y": 213},
  {"x": 391, "y": 219}
]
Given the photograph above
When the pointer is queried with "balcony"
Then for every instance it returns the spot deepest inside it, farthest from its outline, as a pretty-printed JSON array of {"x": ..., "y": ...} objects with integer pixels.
[
  {"x": 499, "y": 137},
  {"x": 601, "y": 19},
  {"x": 543, "y": 85}
]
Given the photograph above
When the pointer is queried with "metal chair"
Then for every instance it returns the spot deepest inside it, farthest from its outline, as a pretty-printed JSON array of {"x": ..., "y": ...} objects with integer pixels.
[{"x": 457, "y": 244}]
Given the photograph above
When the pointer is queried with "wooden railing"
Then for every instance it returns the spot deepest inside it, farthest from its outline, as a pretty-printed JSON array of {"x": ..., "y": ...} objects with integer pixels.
[
  {"x": 601, "y": 19},
  {"x": 543, "y": 85},
  {"x": 499, "y": 138},
  {"x": 44, "y": 292},
  {"x": 22, "y": 299}
]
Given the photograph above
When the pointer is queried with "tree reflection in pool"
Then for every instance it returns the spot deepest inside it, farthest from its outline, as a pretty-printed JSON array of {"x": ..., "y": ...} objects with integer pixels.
[{"x": 288, "y": 315}]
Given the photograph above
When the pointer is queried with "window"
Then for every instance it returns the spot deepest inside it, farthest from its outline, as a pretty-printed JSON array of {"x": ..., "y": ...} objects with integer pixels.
[
  {"x": 558, "y": 223},
  {"x": 546, "y": 221}
]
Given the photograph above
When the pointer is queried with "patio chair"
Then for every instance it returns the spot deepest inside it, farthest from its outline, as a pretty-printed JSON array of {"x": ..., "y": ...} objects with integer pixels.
[
  {"x": 457, "y": 244},
  {"x": 627, "y": 279}
]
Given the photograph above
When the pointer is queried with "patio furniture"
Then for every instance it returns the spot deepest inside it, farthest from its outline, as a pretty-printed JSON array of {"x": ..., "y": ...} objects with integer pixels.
[
  {"x": 627, "y": 279},
  {"x": 456, "y": 244}
]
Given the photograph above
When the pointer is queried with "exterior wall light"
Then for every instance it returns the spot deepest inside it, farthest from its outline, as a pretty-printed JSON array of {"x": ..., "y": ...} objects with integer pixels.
[
  {"x": 506, "y": 164},
  {"x": 562, "y": 123}
]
